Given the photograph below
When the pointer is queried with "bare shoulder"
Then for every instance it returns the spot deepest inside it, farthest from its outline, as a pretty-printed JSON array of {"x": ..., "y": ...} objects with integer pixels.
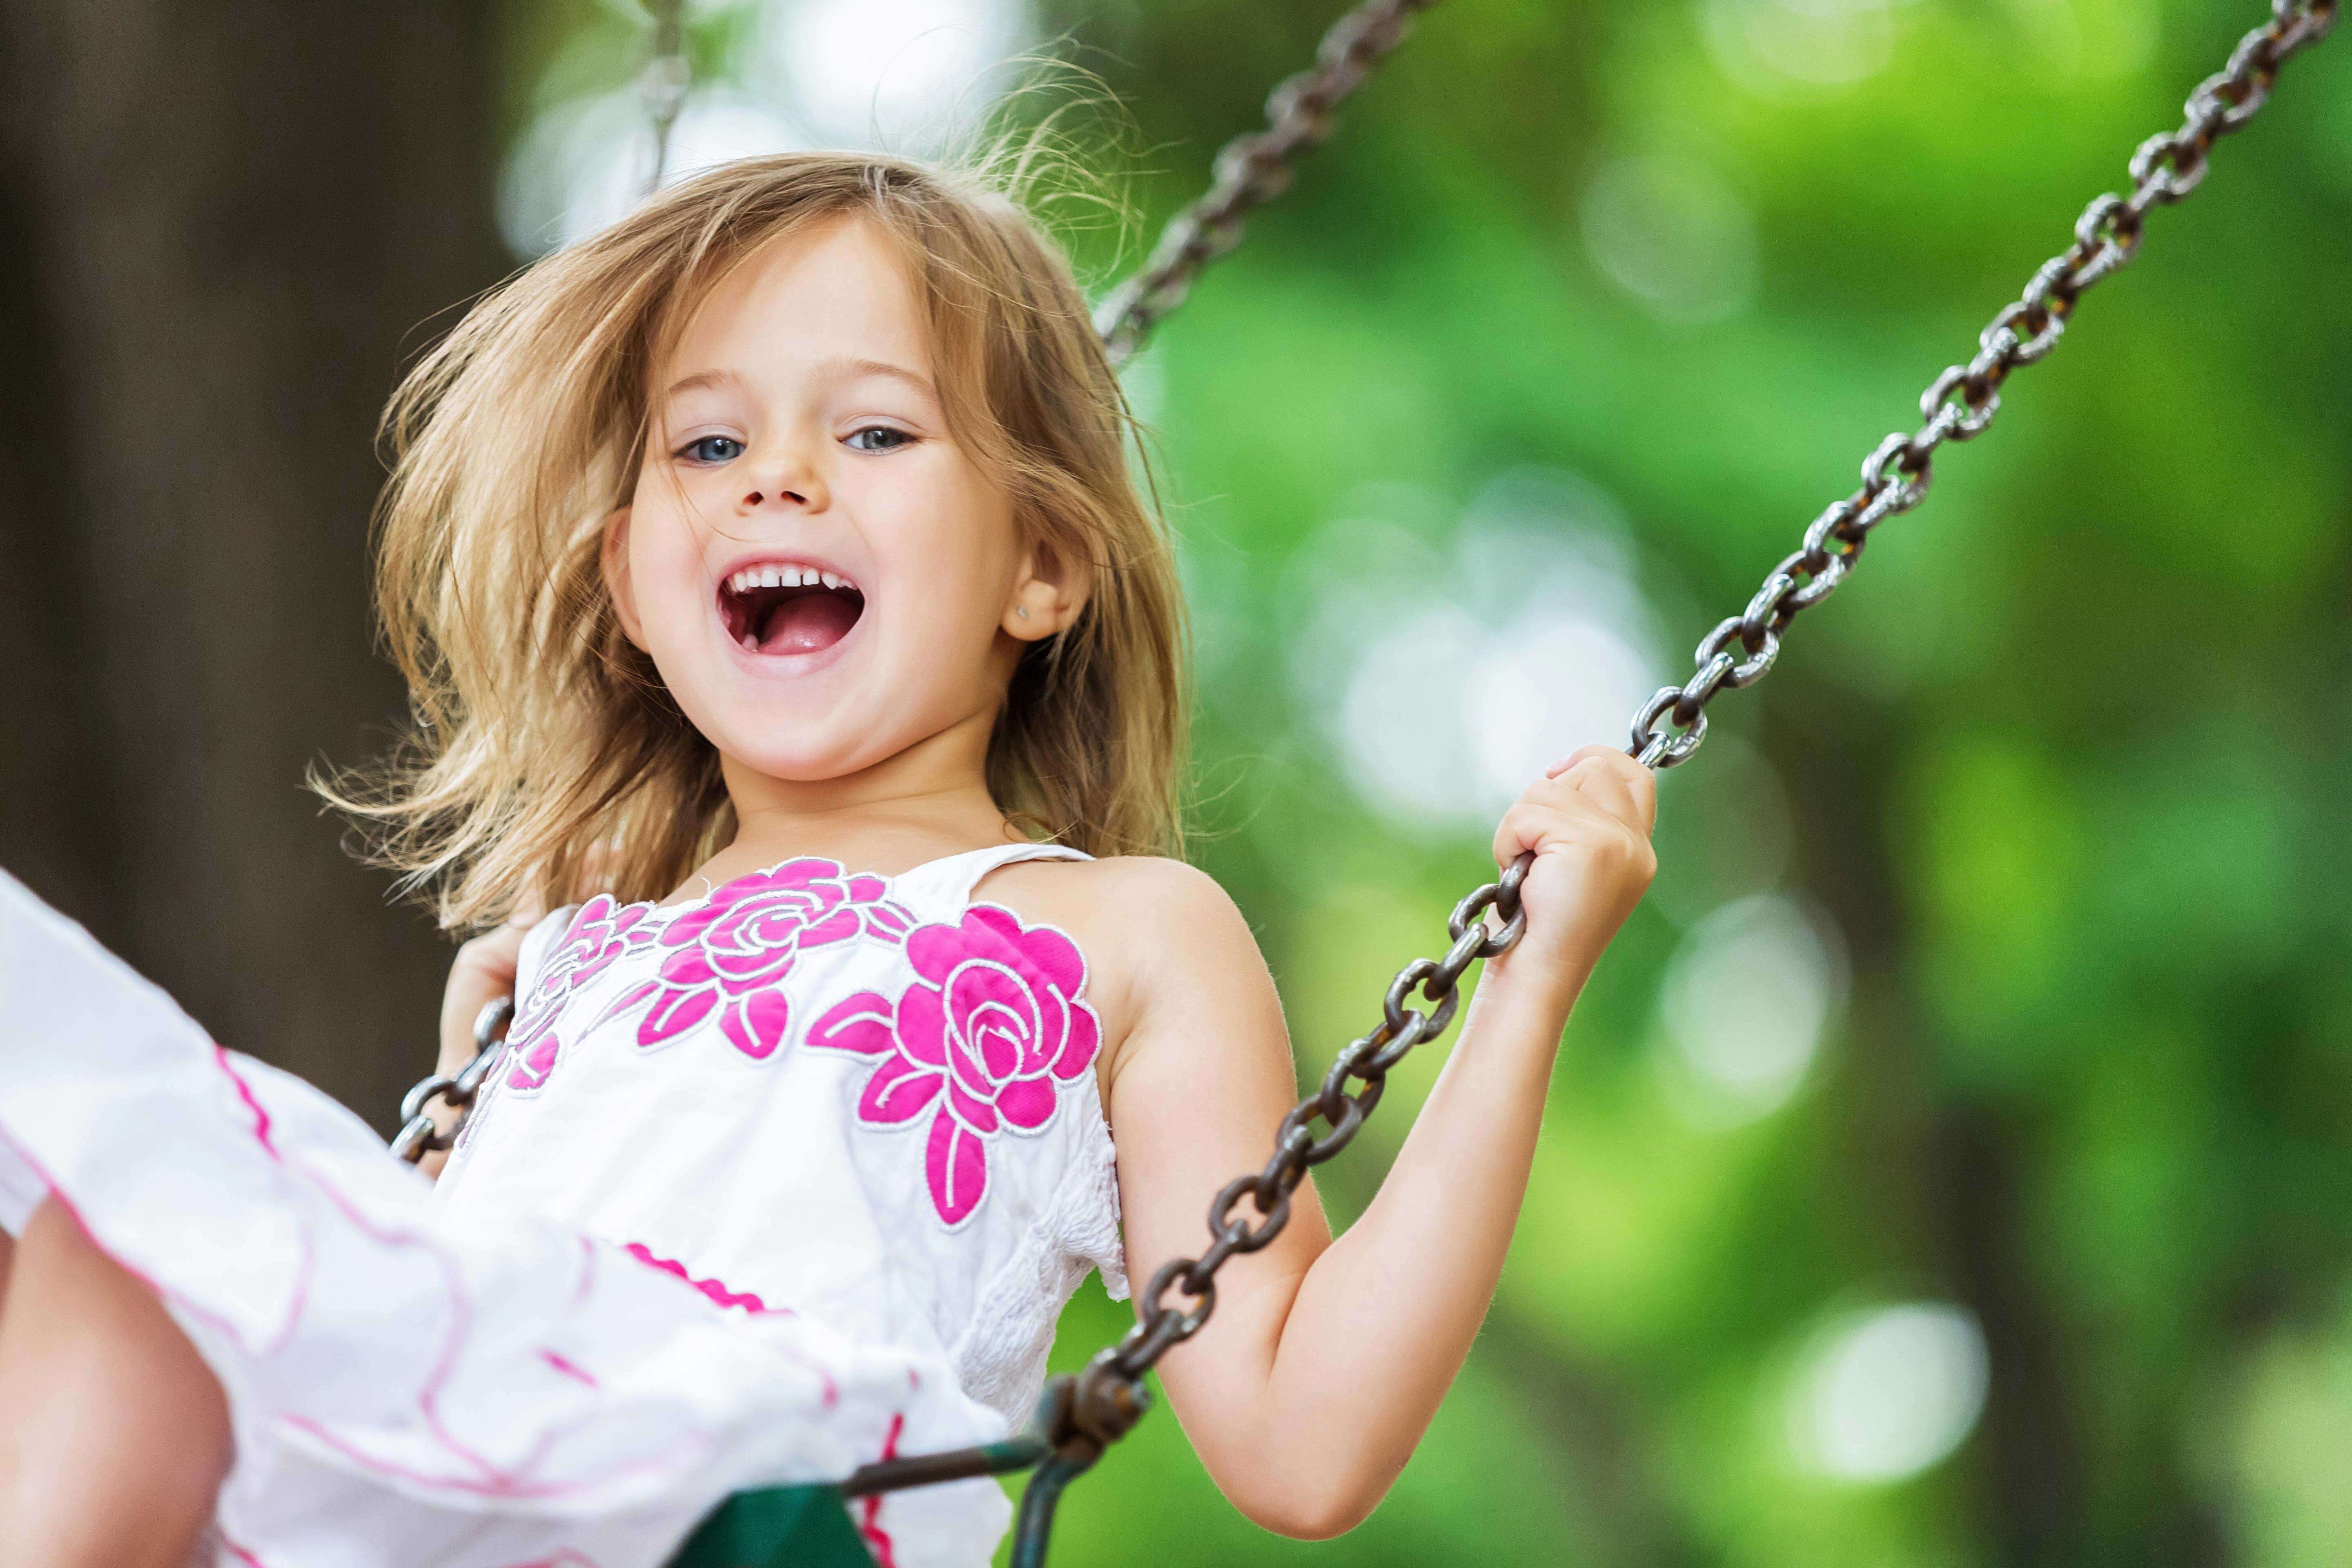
[
  {"x": 1145, "y": 924},
  {"x": 1122, "y": 900}
]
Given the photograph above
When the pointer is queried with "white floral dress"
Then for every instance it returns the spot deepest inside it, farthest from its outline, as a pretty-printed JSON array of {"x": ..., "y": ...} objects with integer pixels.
[{"x": 769, "y": 1183}]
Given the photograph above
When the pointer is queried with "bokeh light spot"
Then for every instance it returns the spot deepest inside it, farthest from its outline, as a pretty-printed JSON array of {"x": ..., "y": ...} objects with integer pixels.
[
  {"x": 1447, "y": 682},
  {"x": 584, "y": 165},
  {"x": 899, "y": 74},
  {"x": 1747, "y": 1000},
  {"x": 1772, "y": 45},
  {"x": 1884, "y": 1394},
  {"x": 1674, "y": 234}
]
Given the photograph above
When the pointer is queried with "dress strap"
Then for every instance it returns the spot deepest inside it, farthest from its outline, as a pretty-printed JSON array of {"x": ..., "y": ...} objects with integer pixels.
[{"x": 951, "y": 880}]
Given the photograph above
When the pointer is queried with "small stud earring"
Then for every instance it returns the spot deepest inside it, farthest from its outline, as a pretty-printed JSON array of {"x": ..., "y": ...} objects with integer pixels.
[{"x": 1021, "y": 610}]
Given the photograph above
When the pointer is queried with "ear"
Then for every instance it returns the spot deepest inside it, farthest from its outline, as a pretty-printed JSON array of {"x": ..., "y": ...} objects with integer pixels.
[
  {"x": 613, "y": 557},
  {"x": 1049, "y": 592}
]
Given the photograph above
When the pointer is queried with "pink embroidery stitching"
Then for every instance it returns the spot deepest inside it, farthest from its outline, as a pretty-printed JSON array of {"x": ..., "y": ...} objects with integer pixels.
[
  {"x": 261, "y": 1122},
  {"x": 990, "y": 1029},
  {"x": 869, "y": 1525},
  {"x": 733, "y": 950},
  {"x": 601, "y": 931},
  {"x": 711, "y": 1287}
]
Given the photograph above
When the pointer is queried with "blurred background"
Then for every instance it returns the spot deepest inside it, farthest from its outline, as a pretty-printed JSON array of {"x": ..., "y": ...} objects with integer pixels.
[{"x": 1949, "y": 1165}]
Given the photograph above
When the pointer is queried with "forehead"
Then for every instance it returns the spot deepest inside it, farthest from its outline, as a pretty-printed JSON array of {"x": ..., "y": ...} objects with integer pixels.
[{"x": 837, "y": 289}]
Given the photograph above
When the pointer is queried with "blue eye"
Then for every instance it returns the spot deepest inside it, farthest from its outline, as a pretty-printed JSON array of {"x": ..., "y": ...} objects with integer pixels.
[
  {"x": 712, "y": 449},
  {"x": 879, "y": 438}
]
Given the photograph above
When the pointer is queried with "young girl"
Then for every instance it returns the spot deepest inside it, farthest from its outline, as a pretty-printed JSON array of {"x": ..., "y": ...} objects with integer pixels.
[{"x": 780, "y": 612}]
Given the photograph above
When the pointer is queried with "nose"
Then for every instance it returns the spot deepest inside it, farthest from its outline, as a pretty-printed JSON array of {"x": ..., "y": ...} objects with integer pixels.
[{"x": 786, "y": 478}]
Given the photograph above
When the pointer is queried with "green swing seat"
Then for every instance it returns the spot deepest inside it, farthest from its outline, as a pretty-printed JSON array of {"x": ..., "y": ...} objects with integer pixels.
[
  {"x": 777, "y": 1527},
  {"x": 809, "y": 1526}
]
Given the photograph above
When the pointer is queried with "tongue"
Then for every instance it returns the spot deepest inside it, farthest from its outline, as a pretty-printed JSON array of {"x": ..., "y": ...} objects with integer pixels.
[{"x": 807, "y": 622}]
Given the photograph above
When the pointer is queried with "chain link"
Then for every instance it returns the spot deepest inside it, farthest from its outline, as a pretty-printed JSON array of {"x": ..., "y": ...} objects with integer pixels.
[
  {"x": 1251, "y": 170},
  {"x": 418, "y": 1136},
  {"x": 1962, "y": 401},
  {"x": 1422, "y": 1000},
  {"x": 1177, "y": 1301}
]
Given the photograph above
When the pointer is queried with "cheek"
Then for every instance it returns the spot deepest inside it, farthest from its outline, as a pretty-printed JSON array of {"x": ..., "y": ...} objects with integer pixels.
[
  {"x": 976, "y": 533},
  {"x": 944, "y": 538},
  {"x": 665, "y": 572}
]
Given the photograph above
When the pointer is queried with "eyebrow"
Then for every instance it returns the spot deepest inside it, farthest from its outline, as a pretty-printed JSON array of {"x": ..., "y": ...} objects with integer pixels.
[
  {"x": 856, "y": 367},
  {"x": 882, "y": 367},
  {"x": 701, "y": 379}
]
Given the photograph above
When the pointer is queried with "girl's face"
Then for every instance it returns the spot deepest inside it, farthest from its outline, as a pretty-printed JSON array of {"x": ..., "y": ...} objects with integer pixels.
[{"x": 823, "y": 577}]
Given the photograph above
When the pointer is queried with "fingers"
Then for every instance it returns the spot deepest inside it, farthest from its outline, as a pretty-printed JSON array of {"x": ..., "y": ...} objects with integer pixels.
[
  {"x": 1581, "y": 754},
  {"x": 1612, "y": 779},
  {"x": 1598, "y": 785},
  {"x": 1606, "y": 845}
]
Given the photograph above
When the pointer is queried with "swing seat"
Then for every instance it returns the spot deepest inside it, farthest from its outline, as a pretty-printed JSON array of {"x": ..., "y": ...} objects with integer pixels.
[{"x": 777, "y": 1527}]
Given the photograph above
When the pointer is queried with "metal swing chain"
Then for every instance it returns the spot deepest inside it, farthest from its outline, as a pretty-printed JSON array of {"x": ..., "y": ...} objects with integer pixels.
[
  {"x": 1961, "y": 402},
  {"x": 1251, "y": 170},
  {"x": 1297, "y": 1149},
  {"x": 418, "y": 1136},
  {"x": 1081, "y": 1418},
  {"x": 1958, "y": 405}
]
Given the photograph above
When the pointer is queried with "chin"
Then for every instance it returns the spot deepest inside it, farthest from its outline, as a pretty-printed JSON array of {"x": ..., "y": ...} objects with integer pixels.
[{"x": 814, "y": 754}]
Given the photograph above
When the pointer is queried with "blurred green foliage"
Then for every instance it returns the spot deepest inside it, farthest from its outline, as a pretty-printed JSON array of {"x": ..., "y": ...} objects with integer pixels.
[{"x": 2062, "y": 766}]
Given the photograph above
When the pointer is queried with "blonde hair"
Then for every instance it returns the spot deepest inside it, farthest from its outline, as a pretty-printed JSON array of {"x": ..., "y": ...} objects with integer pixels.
[{"x": 545, "y": 753}]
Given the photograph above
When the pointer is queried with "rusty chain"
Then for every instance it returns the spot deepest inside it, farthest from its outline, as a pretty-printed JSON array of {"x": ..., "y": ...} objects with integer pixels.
[
  {"x": 1251, "y": 170},
  {"x": 1961, "y": 402}
]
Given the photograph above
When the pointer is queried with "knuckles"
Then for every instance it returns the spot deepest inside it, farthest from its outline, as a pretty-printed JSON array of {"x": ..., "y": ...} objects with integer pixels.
[
  {"x": 1589, "y": 826},
  {"x": 1594, "y": 837}
]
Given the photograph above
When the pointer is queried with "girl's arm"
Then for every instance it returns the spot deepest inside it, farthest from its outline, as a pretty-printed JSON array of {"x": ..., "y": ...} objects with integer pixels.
[{"x": 1325, "y": 1360}]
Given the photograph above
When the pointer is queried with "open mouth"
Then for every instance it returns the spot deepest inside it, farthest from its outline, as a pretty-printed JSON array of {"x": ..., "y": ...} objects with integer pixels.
[{"x": 777, "y": 609}]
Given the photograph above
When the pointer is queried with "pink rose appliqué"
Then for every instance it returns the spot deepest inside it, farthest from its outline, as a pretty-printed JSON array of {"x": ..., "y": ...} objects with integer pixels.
[
  {"x": 989, "y": 1029},
  {"x": 733, "y": 949},
  {"x": 601, "y": 931}
]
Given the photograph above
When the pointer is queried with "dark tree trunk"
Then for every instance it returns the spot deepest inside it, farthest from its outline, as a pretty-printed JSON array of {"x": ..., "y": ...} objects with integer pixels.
[
  {"x": 221, "y": 227},
  {"x": 1950, "y": 1160}
]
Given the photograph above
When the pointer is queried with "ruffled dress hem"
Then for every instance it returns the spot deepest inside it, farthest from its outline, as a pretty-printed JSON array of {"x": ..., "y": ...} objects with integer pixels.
[{"x": 403, "y": 1391}]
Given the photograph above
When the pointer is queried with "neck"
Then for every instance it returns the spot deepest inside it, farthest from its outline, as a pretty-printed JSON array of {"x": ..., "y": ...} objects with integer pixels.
[{"x": 927, "y": 801}]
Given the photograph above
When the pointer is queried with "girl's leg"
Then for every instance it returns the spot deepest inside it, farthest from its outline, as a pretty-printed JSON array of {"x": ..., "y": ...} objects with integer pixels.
[{"x": 114, "y": 1436}]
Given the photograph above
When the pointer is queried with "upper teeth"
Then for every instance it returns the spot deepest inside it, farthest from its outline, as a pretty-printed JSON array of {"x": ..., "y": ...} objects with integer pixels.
[{"x": 780, "y": 576}]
